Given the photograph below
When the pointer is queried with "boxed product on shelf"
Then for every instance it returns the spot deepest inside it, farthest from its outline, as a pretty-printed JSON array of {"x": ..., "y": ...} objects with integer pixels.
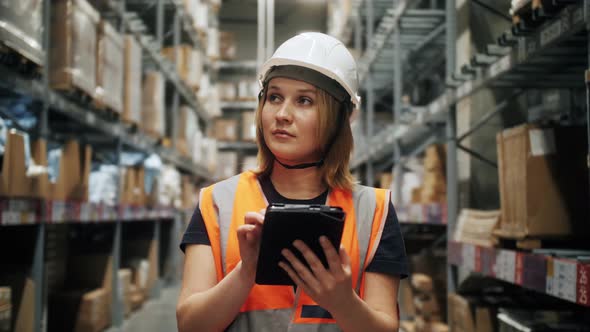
[
  {"x": 15, "y": 180},
  {"x": 80, "y": 310},
  {"x": 195, "y": 146},
  {"x": 385, "y": 180},
  {"x": 132, "y": 80},
  {"x": 477, "y": 227},
  {"x": 21, "y": 28},
  {"x": 186, "y": 127},
  {"x": 248, "y": 90},
  {"x": 110, "y": 64},
  {"x": 406, "y": 299},
  {"x": 73, "y": 46},
  {"x": 200, "y": 16},
  {"x": 143, "y": 263},
  {"x": 213, "y": 104},
  {"x": 210, "y": 154},
  {"x": 543, "y": 180},
  {"x": 189, "y": 63},
  {"x": 153, "y": 108},
  {"x": 136, "y": 297},
  {"x": 22, "y": 309},
  {"x": 435, "y": 158},
  {"x": 469, "y": 316},
  {"x": 133, "y": 186},
  {"x": 249, "y": 163},
  {"x": 249, "y": 126},
  {"x": 213, "y": 43},
  {"x": 69, "y": 172},
  {"x": 226, "y": 129},
  {"x": 103, "y": 185},
  {"x": 227, "y": 91},
  {"x": 227, "y": 45},
  {"x": 227, "y": 165},
  {"x": 189, "y": 193}
]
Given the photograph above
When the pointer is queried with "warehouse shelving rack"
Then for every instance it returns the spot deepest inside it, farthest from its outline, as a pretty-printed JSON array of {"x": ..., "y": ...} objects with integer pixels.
[
  {"x": 553, "y": 54},
  {"x": 40, "y": 219}
]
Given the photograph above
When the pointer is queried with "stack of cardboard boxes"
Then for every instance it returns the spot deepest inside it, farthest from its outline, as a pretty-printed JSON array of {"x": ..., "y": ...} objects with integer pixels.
[
  {"x": 433, "y": 189},
  {"x": 110, "y": 64},
  {"x": 132, "y": 81},
  {"x": 424, "y": 304},
  {"x": 543, "y": 179},
  {"x": 477, "y": 227},
  {"x": 72, "y": 178},
  {"x": 189, "y": 64},
  {"x": 227, "y": 45},
  {"x": 153, "y": 104}
]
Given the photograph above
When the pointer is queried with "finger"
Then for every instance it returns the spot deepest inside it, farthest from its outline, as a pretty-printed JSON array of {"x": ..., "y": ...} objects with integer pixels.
[
  {"x": 253, "y": 218},
  {"x": 302, "y": 271},
  {"x": 295, "y": 277},
  {"x": 345, "y": 259},
  {"x": 314, "y": 262},
  {"x": 334, "y": 260},
  {"x": 248, "y": 232}
]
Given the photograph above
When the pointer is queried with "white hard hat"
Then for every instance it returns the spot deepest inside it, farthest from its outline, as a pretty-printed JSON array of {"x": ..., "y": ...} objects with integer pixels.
[{"x": 322, "y": 53}]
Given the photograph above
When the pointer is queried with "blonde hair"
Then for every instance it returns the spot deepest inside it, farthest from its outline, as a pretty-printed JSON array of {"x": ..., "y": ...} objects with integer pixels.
[{"x": 333, "y": 125}]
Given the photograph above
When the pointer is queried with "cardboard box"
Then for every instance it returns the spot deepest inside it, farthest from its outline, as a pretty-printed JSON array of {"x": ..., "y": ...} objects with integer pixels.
[
  {"x": 226, "y": 129},
  {"x": 153, "y": 120},
  {"x": 186, "y": 127},
  {"x": 543, "y": 181},
  {"x": 14, "y": 181},
  {"x": 132, "y": 81},
  {"x": 435, "y": 158},
  {"x": 422, "y": 283},
  {"x": 143, "y": 263},
  {"x": 22, "y": 27},
  {"x": 426, "y": 304},
  {"x": 22, "y": 308},
  {"x": 249, "y": 126},
  {"x": 136, "y": 298},
  {"x": 213, "y": 43},
  {"x": 469, "y": 316},
  {"x": 74, "y": 173},
  {"x": 477, "y": 227},
  {"x": 227, "y": 165},
  {"x": 385, "y": 180},
  {"x": 189, "y": 63},
  {"x": 189, "y": 193},
  {"x": 227, "y": 45},
  {"x": 133, "y": 190},
  {"x": 80, "y": 310},
  {"x": 73, "y": 46},
  {"x": 110, "y": 68}
]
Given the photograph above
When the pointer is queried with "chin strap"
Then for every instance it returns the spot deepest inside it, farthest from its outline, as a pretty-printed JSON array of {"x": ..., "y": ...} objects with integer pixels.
[{"x": 302, "y": 166}]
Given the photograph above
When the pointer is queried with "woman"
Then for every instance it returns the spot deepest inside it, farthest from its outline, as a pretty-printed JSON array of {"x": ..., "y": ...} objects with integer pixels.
[{"x": 308, "y": 97}]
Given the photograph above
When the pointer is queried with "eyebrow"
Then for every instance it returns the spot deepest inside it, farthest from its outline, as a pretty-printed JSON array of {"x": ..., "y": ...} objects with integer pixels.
[{"x": 275, "y": 87}]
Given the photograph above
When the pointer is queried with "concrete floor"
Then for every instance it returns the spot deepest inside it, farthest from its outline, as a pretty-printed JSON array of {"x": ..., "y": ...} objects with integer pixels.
[{"x": 157, "y": 315}]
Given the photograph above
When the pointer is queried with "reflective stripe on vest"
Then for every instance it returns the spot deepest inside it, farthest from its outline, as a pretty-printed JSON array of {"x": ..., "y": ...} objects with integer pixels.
[{"x": 277, "y": 308}]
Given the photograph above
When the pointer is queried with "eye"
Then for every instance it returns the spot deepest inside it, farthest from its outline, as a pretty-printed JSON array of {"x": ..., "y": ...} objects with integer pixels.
[
  {"x": 305, "y": 101},
  {"x": 273, "y": 98}
]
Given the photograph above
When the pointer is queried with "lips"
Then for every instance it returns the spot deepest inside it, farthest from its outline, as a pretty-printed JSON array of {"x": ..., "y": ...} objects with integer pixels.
[{"x": 282, "y": 133}]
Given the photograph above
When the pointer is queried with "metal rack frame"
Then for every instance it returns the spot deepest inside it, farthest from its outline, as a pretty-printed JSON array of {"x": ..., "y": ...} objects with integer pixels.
[{"x": 520, "y": 60}]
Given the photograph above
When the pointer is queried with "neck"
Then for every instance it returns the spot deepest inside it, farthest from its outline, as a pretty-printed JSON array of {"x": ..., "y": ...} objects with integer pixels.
[{"x": 297, "y": 183}]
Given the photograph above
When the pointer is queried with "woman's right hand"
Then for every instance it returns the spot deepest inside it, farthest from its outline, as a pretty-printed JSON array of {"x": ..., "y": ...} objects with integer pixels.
[{"x": 249, "y": 236}]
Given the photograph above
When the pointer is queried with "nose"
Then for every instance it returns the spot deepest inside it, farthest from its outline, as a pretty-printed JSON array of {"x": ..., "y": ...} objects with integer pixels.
[{"x": 283, "y": 114}]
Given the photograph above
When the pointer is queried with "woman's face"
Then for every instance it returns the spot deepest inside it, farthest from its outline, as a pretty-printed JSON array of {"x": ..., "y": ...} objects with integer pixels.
[{"x": 290, "y": 121}]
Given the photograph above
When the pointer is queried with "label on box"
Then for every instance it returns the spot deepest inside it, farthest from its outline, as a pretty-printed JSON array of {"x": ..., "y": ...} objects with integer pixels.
[
  {"x": 11, "y": 218},
  {"x": 561, "y": 279},
  {"x": 542, "y": 142},
  {"x": 583, "y": 284},
  {"x": 468, "y": 254},
  {"x": 505, "y": 265}
]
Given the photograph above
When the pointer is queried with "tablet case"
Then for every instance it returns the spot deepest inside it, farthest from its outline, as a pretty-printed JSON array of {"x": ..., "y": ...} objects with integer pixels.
[{"x": 285, "y": 223}]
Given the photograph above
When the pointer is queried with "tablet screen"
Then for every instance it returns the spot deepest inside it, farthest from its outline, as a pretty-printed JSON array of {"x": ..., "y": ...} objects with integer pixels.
[{"x": 283, "y": 224}]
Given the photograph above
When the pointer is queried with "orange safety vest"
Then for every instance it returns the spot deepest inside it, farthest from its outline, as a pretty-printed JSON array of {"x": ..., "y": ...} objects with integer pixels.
[{"x": 278, "y": 308}]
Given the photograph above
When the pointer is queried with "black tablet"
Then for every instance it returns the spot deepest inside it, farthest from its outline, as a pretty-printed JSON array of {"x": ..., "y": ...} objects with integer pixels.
[{"x": 285, "y": 223}]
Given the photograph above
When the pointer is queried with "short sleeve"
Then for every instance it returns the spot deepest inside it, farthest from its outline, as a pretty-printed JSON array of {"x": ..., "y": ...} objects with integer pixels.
[
  {"x": 196, "y": 232},
  {"x": 390, "y": 257}
]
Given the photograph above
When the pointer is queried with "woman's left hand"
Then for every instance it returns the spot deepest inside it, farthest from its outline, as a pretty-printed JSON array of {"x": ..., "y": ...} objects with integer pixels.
[{"x": 330, "y": 288}]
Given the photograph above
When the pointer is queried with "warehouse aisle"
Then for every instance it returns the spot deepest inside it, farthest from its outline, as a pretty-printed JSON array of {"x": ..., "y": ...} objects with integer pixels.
[{"x": 158, "y": 315}]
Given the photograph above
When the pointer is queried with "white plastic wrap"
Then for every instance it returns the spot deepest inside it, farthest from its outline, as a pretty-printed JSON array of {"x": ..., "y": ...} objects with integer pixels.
[
  {"x": 132, "y": 81},
  {"x": 169, "y": 187},
  {"x": 103, "y": 185},
  {"x": 110, "y": 68}
]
